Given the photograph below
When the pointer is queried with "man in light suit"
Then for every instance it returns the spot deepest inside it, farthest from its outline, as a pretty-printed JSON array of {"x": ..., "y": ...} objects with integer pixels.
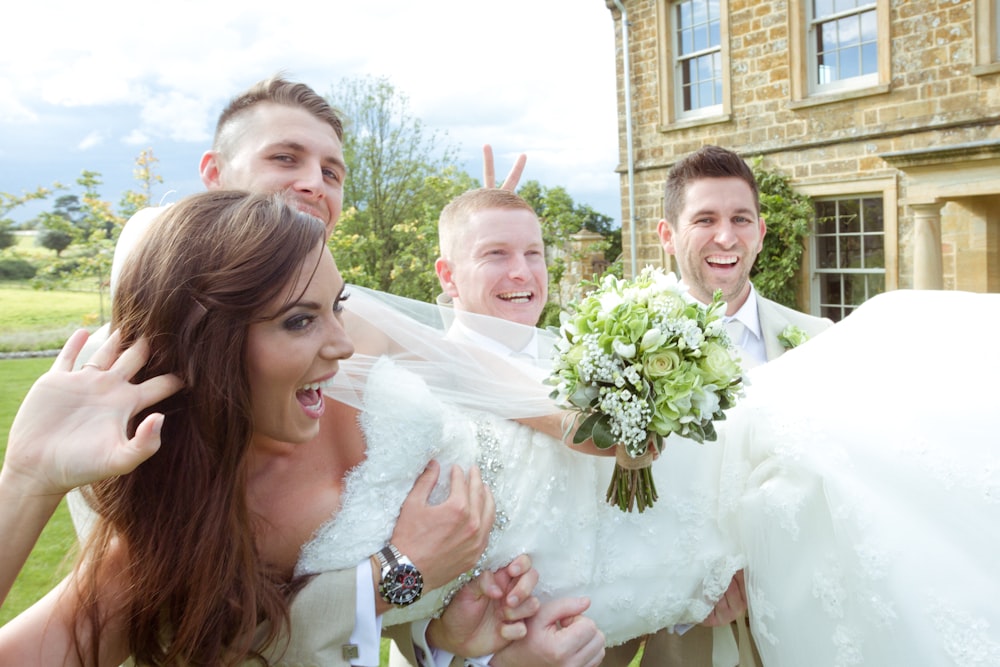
[{"x": 712, "y": 226}]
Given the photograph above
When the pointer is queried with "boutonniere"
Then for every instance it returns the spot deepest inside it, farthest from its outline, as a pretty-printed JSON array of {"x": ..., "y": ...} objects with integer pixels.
[{"x": 792, "y": 336}]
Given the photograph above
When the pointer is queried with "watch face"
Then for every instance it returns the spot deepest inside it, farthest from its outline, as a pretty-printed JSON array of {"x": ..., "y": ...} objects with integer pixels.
[{"x": 402, "y": 585}]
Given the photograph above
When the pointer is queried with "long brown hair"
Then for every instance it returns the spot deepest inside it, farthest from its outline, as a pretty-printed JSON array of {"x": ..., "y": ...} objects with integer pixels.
[{"x": 196, "y": 586}]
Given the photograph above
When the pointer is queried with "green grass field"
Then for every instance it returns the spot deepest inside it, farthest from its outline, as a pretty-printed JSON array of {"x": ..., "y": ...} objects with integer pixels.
[
  {"x": 46, "y": 565},
  {"x": 37, "y": 320},
  {"x": 43, "y": 319}
]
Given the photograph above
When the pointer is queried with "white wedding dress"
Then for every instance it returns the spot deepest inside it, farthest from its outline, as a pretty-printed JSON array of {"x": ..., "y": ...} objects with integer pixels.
[{"x": 858, "y": 485}]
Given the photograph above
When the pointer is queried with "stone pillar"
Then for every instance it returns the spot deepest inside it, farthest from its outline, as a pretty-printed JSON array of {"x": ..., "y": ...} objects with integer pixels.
[
  {"x": 582, "y": 265},
  {"x": 928, "y": 272}
]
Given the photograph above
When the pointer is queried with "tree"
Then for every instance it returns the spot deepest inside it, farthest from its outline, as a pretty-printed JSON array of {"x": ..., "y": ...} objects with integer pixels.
[
  {"x": 399, "y": 179},
  {"x": 68, "y": 207},
  {"x": 98, "y": 222},
  {"x": 561, "y": 218},
  {"x": 103, "y": 225},
  {"x": 7, "y": 238},
  {"x": 8, "y": 203},
  {"x": 788, "y": 215},
  {"x": 92, "y": 226},
  {"x": 603, "y": 225},
  {"x": 56, "y": 232},
  {"x": 145, "y": 175}
]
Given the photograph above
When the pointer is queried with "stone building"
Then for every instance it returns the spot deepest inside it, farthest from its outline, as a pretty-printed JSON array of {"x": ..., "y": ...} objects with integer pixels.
[{"x": 885, "y": 112}]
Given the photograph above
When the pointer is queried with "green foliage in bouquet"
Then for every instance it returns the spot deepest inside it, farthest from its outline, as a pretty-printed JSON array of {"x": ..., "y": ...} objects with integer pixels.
[{"x": 639, "y": 360}]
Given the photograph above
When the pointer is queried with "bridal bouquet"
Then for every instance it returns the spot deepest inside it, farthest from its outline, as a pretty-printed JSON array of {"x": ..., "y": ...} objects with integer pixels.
[{"x": 639, "y": 360}]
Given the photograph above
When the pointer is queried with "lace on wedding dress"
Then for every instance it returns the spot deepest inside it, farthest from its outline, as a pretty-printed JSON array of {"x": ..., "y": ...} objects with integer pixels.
[
  {"x": 641, "y": 572},
  {"x": 858, "y": 483}
]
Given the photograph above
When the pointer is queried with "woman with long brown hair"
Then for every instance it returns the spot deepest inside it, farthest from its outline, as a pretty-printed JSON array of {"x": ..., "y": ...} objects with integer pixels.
[{"x": 192, "y": 555}]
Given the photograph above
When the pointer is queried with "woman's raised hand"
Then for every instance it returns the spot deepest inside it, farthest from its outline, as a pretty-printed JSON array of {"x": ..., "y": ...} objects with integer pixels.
[{"x": 72, "y": 427}]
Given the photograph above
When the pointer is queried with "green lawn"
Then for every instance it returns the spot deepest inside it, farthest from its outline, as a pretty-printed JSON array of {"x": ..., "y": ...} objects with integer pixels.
[
  {"x": 46, "y": 565},
  {"x": 43, "y": 319}
]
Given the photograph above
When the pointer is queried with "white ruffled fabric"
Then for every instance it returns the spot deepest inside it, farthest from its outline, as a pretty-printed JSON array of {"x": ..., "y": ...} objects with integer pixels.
[
  {"x": 858, "y": 484},
  {"x": 862, "y": 475},
  {"x": 550, "y": 504}
]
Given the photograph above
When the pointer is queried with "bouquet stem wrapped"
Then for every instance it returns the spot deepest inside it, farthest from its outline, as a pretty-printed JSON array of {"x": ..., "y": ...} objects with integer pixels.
[
  {"x": 640, "y": 360},
  {"x": 632, "y": 482}
]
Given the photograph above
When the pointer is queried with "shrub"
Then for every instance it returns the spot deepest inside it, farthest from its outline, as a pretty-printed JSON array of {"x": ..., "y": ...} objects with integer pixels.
[{"x": 15, "y": 268}]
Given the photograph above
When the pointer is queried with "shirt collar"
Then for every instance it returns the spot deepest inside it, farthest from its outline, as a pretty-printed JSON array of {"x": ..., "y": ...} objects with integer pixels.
[
  {"x": 747, "y": 314},
  {"x": 459, "y": 331}
]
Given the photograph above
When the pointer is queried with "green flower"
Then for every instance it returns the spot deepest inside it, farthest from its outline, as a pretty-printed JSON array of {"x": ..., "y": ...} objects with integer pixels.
[
  {"x": 717, "y": 365},
  {"x": 661, "y": 363},
  {"x": 792, "y": 336}
]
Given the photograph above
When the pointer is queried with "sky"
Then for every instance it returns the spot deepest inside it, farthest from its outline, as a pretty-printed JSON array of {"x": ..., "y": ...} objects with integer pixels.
[{"x": 90, "y": 85}]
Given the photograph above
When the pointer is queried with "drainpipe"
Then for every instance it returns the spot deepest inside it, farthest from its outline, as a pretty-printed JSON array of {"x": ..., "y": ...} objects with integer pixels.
[{"x": 627, "y": 80}]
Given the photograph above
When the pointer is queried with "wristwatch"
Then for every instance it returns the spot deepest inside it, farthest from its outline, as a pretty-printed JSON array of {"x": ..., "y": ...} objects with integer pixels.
[{"x": 401, "y": 582}]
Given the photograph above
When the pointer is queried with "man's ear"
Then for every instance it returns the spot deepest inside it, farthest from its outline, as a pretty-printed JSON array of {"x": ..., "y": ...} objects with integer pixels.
[
  {"x": 763, "y": 230},
  {"x": 666, "y": 234},
  {"x": 443, "y": 269},
  {"x": 210, "y": 170}
]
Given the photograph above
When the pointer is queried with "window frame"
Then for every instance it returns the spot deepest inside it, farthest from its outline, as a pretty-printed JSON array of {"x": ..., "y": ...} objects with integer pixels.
[
  {"x": 847, "y": 83},
  {"x": 842, "y": 273},
  {"x": 986, "y": 22},
  {"x": 682, "y": 59},
  {"x": 672, "y": 116},
  {"x": 805, "y": 90},
  {"x": 887, "y": 190}
]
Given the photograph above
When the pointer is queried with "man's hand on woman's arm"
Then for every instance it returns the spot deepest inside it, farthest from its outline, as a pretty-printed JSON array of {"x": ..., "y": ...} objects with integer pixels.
[{"x": 487, "y": 613}]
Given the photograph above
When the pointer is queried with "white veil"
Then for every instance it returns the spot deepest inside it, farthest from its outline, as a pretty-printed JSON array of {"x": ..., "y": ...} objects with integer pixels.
[{"x": 418, "y": 337}]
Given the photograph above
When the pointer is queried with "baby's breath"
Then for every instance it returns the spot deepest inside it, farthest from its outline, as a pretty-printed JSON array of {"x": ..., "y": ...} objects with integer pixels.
[{"x": 640, "y": 360}]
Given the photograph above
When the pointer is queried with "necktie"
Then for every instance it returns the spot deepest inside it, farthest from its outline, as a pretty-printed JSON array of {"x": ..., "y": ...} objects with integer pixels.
[{"x": 736, "y": 330}]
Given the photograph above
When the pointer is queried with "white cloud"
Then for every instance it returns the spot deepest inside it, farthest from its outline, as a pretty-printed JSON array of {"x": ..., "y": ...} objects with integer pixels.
[
  {"x": 93, "y": 139},
  {"x": 13, "y": 112},
  {"x": 523, "y": 75},
  {"x": 178, "y": 117},
  {"x": 136, "y": 138}
]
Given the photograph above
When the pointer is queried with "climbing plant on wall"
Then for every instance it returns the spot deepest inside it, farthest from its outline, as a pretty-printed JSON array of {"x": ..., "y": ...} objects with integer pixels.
[{"x": 788, "y": 215}]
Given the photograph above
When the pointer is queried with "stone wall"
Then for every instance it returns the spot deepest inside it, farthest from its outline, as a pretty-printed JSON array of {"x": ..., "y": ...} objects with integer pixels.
[{"x": 922, "y": 134}]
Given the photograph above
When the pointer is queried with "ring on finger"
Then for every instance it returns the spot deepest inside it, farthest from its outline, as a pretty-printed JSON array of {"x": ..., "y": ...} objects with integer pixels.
[{"x": 91, "y": 364}]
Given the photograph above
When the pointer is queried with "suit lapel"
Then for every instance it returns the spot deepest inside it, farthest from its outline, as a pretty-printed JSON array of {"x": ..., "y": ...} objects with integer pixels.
[{"x": 772, "y": 323}]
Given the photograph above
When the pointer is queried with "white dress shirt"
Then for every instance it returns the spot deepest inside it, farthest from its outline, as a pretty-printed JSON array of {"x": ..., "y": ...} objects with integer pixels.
[{"x": 751, "y": 339}]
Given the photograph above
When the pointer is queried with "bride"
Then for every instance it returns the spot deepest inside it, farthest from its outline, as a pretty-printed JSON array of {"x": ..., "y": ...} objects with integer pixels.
[{"x": 858, "y": 485}]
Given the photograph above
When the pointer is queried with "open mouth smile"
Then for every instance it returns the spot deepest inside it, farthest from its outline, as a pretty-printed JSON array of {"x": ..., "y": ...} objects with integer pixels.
[{"x": 516, "y": 297}]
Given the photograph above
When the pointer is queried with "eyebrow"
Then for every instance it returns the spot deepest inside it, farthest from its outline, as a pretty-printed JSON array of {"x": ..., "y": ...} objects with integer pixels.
[
  {"x": 712, "y": 211},
  {"x": 308, "y": 305}
]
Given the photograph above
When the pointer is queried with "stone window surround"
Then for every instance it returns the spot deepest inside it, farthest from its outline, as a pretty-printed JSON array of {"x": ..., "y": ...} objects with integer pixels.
[
  {"x": 881, "y": 186},
  {"x": 835, "y": 234},
  {"x": 986, "y": 19},
  {"x": 800, "y": 56},
  {"x": 670, "y": 106}
]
